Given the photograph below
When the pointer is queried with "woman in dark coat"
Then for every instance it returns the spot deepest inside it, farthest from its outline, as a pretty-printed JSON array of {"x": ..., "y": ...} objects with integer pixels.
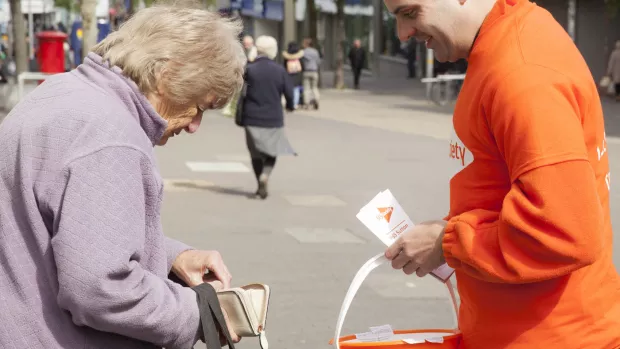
[
  {"x": 262, "y": 112},
  {"x": 294, "y": 67}
]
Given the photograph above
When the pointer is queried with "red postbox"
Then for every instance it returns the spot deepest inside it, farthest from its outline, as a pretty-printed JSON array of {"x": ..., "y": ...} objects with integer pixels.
[{"x": 51, "y": 51}]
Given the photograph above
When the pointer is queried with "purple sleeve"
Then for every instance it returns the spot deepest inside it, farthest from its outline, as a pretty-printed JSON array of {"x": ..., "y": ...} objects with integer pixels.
[
  {"x": 105, "y": 212},
  {"x": 174, "y": 249}
]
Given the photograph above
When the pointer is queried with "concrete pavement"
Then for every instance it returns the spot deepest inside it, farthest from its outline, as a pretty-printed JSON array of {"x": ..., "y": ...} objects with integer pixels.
[
  {"x": 413, "y": 93},
  {"x": 304, "y": 240}
]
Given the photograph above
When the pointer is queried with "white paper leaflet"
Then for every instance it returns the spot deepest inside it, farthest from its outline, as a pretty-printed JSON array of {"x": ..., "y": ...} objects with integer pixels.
[
  {"x": 377, "y": 333},
  {"x": 383, "y": 329},
  {"x": 385, "y": 218},
  {"x": 420, "y": 341}
]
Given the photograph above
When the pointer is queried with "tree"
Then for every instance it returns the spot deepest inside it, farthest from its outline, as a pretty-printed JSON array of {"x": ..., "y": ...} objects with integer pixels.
[
  {"x": 66, "y": 4},
  {"x": 312, "y": 14},
  {"x": 132, "y": 8},
  {"x": 340, "y": 37},
  {"x": 19, "y": 35},
  {"x": 613, "y": 6},
  {"x": 211, "y": 4},
  {"x": 89, "y": 25}
]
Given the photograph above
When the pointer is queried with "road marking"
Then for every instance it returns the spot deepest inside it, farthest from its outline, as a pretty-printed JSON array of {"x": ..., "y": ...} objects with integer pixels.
[
  {"x": 324, "y": 235},
  {"x": 314, "y": 200},
  {"x": 234, "y": 167}
]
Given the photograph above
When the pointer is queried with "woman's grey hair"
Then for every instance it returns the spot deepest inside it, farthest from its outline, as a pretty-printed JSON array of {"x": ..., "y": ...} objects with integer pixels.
[
  {"x": 267, "y": 46},
  {"x": 180, "y": 50}
]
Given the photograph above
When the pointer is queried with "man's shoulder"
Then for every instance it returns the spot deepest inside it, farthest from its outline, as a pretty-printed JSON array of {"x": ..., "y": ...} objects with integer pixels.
[
  {"x": 542, "y": 40},
  {"x": 537, "y": 51}
]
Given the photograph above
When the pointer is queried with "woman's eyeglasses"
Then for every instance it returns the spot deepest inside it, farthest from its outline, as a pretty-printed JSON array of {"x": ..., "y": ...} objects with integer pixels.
[{"x": 217, "y": 104}]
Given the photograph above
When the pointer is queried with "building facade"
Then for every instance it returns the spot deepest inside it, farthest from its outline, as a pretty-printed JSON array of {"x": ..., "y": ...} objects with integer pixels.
[
  {"x": 266, "y": 17},
  {"x": 589, "y": 22},
  {"x": 593, "y": 28}
]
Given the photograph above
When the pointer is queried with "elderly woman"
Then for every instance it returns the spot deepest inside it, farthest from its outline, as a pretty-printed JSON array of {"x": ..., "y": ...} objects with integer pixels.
[
  {"x": 262, "y": 113},
  {"x": 85, "y": 263}
]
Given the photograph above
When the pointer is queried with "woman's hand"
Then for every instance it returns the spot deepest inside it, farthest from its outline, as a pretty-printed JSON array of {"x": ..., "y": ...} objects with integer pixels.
[{"x": 192, "y": 265}]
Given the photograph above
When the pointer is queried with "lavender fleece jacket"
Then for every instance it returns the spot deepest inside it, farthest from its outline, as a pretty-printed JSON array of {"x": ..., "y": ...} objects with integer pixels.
[{"x": 83, "y": 259}]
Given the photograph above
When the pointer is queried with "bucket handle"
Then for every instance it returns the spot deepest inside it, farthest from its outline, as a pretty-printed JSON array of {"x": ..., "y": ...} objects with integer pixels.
[{"x": 359, "y": 278}]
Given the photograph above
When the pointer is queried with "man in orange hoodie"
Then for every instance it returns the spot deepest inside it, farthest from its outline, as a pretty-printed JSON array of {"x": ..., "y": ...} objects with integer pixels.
[{"x": 529, "y": 230}]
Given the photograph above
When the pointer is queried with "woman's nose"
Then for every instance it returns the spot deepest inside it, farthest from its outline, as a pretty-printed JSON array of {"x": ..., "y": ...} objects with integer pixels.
[{"x": 195, "y": 124}]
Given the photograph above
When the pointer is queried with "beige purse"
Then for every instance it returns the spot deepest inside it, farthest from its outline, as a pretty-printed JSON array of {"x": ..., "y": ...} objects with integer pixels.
[{"x": 246, "y": 307}]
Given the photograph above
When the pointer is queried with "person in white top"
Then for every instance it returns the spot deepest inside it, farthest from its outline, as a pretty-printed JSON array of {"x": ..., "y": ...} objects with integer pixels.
[{"x": 250, "y": 52}]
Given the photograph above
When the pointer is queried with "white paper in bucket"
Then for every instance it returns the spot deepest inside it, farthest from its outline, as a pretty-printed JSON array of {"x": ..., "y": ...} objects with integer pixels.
[
  {"x": 411, "y": 338},
  {"x": 359, "y": 278}
]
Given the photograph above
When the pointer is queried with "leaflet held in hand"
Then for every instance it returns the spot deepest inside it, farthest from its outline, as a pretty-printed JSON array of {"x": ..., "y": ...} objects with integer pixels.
[{"x": 385, "y": 218}]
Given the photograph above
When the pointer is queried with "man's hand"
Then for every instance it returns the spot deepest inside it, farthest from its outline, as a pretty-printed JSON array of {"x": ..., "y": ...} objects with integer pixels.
[
  {"x": 191, "y": 266},
  {"x": 419, "y": 249}
]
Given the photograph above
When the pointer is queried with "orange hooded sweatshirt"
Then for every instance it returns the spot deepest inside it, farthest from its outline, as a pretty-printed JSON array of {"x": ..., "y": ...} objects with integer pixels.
[{"x": 529, "y": 230}]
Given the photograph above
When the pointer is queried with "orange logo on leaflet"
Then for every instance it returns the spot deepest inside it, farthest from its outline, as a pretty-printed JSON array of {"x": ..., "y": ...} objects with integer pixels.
[{"x": 385, "y": 213}]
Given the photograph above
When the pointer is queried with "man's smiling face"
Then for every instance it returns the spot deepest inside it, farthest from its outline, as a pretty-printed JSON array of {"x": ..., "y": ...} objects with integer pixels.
[{"x": 430, "y": 21}]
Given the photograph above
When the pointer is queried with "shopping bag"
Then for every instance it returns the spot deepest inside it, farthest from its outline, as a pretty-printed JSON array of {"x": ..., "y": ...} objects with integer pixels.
[
  {"x": 607, "y": 86},
  {"x": 414, "y": 339},
  {"x": 611, "y": 89},
  {"x": 240, "y": 105},
  {"x": 605, "y": 82}
]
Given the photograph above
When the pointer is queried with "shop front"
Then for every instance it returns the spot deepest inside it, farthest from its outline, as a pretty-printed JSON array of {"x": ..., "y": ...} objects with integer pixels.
[
  {"x": 271, "y": 22},
  {"x": 259, "y": 17},
  {"x": 250, "y": 11}
]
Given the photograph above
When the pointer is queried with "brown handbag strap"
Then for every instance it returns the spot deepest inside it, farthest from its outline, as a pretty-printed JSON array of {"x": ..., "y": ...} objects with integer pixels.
[{"x": 211, "y": 317}]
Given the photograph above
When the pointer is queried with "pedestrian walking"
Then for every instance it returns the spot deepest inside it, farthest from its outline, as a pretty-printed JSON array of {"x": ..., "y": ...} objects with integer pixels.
[
  {"x": 357, "y": 59},
  {"x": 613, "y": 69},
  {"x": 250, "y": 48},
  {"x": 411, "y": 53},
  {"x": 311, "y": 63},
  {"x": 250, "y": 53},
  {"x": 85, "y": 263},
  {"x": 528, "y": 229},
  {"x": 262, "y": 113},
  {"x": 294, "y": 67}
]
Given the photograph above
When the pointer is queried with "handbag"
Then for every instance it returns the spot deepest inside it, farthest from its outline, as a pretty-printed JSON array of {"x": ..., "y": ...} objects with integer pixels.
[
  {"x": 247, "y": 308},
  {"x": 611, "y": 89},
  {"x": 414, "y": 339},
  {"x": 605, "y": 82},
  {"x": 240, "y": 104}
]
